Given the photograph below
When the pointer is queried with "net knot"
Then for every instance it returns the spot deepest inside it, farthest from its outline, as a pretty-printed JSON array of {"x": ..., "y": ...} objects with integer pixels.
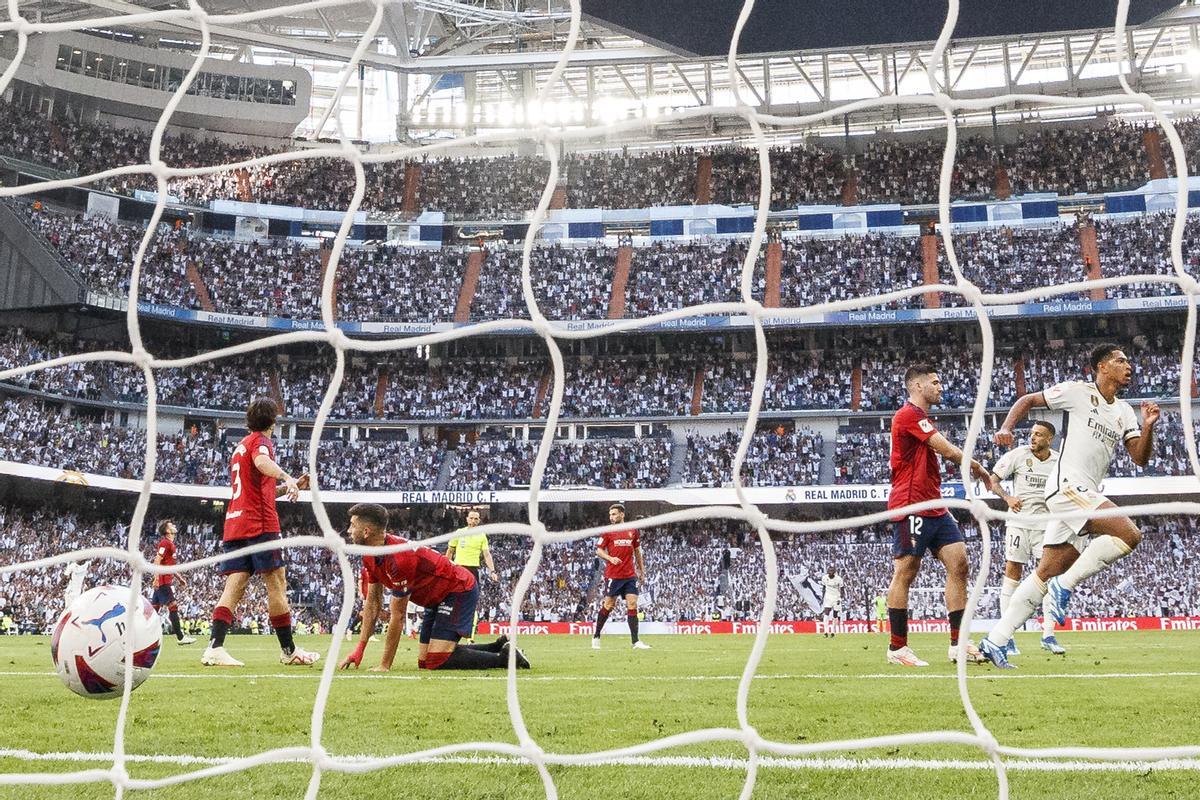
[
  {"x": 141, "y": 357},
  {"x": 338, "y": 339},
  {"x": 980, "y": 509},
  {"x": 537, "y": 531},
  {"x": 1189, "y": 285},
  {"x": 119, "y": 775},
  {"x": 320, "y": 757}
]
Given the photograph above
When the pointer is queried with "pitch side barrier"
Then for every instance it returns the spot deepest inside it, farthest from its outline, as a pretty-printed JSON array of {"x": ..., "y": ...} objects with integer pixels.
[
  {"x": 750, "y": 627},
  {"x": 851, "y": 494}
]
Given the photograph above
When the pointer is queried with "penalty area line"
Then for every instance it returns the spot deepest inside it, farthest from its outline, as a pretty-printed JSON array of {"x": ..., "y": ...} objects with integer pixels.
[
  {"x": 226, "y": 673},
  {"x": 714, "y": 762}
]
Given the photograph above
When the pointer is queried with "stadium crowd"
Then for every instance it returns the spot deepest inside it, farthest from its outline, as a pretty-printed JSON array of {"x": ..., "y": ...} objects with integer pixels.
[
  {"x": 695, "y": 571},
  {"x": 1042, "y": 158},
  {"x": 776, "y": 457}
]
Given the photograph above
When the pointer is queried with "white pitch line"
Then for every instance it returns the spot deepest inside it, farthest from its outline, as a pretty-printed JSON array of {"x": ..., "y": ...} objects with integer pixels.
[
  {"x": 717, "y": 762},
  {"x": 226, "y": 674}
]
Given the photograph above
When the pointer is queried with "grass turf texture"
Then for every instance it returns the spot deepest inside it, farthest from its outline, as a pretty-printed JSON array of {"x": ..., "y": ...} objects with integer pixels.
[{"x": 575, "y": 700}]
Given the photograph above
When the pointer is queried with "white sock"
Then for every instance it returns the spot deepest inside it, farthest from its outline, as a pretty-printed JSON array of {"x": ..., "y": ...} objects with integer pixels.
[
  {"x": 1024, "y": 603},
  {"x": 1047, "y": 620},
  {"x": 1102, "y": 552},
  {"x": 1006, "y": 592}
]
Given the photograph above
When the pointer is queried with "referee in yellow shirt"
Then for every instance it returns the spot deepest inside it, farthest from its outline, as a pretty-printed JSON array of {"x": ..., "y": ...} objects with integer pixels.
[{"x": 467, "y": 549}]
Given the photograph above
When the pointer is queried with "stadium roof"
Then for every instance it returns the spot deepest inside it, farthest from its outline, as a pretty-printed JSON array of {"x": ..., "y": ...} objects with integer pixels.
[{"x": 777, "y": 26}]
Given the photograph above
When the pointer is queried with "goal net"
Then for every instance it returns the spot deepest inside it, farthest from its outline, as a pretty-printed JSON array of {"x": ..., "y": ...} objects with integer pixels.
[{"x": 528, "y": 748}]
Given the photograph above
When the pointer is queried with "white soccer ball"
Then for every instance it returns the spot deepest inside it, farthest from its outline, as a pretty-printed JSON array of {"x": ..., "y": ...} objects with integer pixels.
[{"x": 88, "y": 646}]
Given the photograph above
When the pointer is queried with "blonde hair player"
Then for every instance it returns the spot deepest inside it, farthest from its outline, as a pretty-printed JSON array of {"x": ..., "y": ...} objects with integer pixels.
[{"x": 1030, "y": 467}]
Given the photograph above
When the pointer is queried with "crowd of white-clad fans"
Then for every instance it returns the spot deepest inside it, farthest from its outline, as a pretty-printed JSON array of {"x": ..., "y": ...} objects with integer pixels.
[
  {"x": 776, "y": 457},
  {"x": 702, "y": 570},
  {"x": 278, "y": 277},
  {"x": 1097, "y": 158},
  {"x": 501, "y": 463}
]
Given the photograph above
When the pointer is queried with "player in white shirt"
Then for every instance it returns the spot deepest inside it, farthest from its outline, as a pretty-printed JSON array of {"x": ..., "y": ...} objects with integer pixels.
[
  {"x": 831, "y": 601},
  {"x": 1094, "y": 422},
  {"x": 75, "y": 572},
  {"x": 1029, "y": 467}
]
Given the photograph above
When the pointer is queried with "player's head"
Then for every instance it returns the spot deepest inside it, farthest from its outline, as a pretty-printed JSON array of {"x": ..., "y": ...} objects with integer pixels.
[
  {"x": 1042, "y": 435},
  {"x": 616, "y": 513},
  {"x": 1109, "y": 361},
  {"x": 922, "y": 382},
  {"x": 261, "y": 414},
  {"x": 368, "y": 521},
  {"x": 167, "y": 528},
  {"x": 831, "y": 572}
]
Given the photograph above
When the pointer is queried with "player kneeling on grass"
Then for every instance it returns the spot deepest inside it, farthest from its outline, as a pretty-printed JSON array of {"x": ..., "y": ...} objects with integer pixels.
[{"x": 448, "y": 593}]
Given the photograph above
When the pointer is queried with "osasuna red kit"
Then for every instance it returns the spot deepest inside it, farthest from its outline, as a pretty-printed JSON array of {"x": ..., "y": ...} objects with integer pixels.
[
  {"x": 252, "y": 508},
  {"x": 917, "y": 476}
]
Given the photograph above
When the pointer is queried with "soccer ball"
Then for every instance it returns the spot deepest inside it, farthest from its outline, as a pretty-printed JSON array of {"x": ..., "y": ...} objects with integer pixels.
[{"x": 88, "y": 646}]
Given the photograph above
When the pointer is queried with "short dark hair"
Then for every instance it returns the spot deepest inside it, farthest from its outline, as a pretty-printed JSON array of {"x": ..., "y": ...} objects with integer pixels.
[
  {"x": 919, "y": 370},
  {"x": 1047, "y": 425},
  {"x": 1101, "y": 352},
  {"x": 261, "y": 414},
  {"x": 162, "y": 526},
  {"x": 617, "y": 504},
  {"x": 371, "y": 513}
]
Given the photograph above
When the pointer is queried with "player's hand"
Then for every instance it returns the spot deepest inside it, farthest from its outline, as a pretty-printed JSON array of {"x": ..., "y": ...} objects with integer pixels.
[
  {"x": 1150, "y": 413},
  {"x": 354, "y": 658},
  {"x": 1004, "y": 437},
  {"x": 978, "y": 472},
  {"x": 293, "y": 489},
  {"x": 302, "y": 482},
  {"x": 1014, "y": 503}
]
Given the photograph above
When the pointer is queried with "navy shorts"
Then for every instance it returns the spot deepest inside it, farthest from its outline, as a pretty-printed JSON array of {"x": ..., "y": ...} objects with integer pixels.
[
  {"x": 914, "y": 534},
  {"x": 451, "y": 619},
  {"x": 163, "y": 596},
  {"x": 619, "y": 587},
  {"x": 256, "y": 563}
]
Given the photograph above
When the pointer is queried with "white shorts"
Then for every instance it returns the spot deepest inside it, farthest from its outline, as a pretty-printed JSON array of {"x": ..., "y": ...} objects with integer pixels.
[
  {"x": 832, "y": 609},
  {"x": 1070, "y": 497},
  {"x": 1022, "y": 545}
]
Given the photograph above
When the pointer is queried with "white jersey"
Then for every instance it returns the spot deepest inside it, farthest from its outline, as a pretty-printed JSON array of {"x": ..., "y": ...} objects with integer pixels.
[
  {"x": 1092, "y": 428},
  {"x": 76, "y": 571},
  {"x": 1029, "y": 475},
  {"x": 833, "y": 590}
]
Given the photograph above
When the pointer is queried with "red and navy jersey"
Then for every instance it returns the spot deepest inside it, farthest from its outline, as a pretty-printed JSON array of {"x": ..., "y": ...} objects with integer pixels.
[
  {"x": 916, "y": 470},
  {"x": 166, "y": 557},
  {"x": 425, "y": 575},
  {"x": 252, "y": 509},
  {"x": 620, "y": 545}
]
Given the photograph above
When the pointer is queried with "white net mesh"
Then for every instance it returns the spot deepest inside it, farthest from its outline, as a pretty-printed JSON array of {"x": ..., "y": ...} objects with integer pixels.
[{"x": 528, "y": 748}]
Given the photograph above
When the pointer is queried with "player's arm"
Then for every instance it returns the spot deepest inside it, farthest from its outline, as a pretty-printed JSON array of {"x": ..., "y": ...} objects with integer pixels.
[
  {"x": 993, "y": 482},
  {"x": 267, "y": 466},
  {"x": 491, "y": 565},
  {"x": 157, "y": 560},
  {"x": 641, "y": 565},
  {"x": 1025, "y": 403},
  {"x": 397, "y": 607},
  {"x": 370, "y": 613},
  {"x": 1141, "y": 446},
  {"x": 951, "y": 452},
  {"x": 600, "y": 551}
]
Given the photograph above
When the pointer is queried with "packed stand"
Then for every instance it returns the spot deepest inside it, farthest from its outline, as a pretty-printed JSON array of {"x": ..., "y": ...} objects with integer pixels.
[
  {"x": 776, "y": 457},
  {"x": 958, "y": 367},
  {"x": 568, "y": 282},
  {"x": 862, "y": 455},
  {"x": 1142, "y": 246},
  {"x": 801, "y": 174},
  {"x": 605, "y": 463},
  {"x": 818, "y": 270},
  {"x": 1078, "y": 160},
  {"x": 910, "y": 172},
  {"x": 1004, "y": 260},
  {"x": 796, "y": 379},
  {"x": 631, "y": 180},
  {"x": 667, "y": 276}
]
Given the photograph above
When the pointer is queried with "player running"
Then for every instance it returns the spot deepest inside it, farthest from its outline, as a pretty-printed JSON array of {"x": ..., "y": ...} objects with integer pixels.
[
  {"x": 620, "y": 550},
  {"x": 164, "y": 590},
  {"x": 1030, "y": 467},
  {"x": 73, "y": 576},
  {"x": 426, "y": 577},
  {"x": 467, "y": 550},
  {"x": 917, "y": 476},
  {"x": 1094, "y": 422},
  {"x": 252, "y": 519},
  {"x": 831, "y": 601}
]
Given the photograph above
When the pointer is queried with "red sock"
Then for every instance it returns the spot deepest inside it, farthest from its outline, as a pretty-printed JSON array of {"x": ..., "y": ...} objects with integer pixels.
[
  {"x": 435, "y": 660},
  {"x": 955, "y": 624},
  {"x": 899, "y": 621}
]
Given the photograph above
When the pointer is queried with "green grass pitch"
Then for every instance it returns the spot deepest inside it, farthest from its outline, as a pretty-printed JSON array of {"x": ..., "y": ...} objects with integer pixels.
[{"x": 1112, "y": 689}]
